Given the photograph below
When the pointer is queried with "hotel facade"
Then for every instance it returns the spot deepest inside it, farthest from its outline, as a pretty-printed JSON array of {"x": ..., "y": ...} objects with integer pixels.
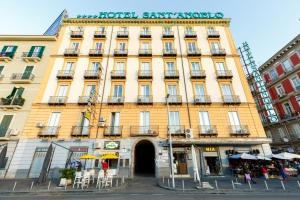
[{"x": 121, "y": 86}]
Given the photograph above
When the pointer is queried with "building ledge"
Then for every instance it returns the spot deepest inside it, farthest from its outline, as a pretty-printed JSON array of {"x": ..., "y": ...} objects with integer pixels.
[{"x": 224, "y": 141}]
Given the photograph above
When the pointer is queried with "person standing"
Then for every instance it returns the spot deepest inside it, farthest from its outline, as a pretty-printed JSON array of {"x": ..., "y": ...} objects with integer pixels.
[
  {"x": 282, "y": 172},
  {"x": 264, "y": 171},
  {"x": 104, "y": 165}
]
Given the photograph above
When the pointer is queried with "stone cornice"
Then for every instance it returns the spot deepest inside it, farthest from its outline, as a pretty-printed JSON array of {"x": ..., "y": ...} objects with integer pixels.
[{"x": 27, "y": 38}]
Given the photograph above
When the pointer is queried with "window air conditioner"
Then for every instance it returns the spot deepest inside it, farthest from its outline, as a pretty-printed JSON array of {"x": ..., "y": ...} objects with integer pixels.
[{"x": 189, "y": 133}]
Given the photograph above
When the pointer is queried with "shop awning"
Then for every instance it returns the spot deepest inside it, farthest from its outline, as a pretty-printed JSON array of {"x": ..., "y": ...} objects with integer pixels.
[
  {"x": 88, "y": 156},
  {"x": 109, "y": 156},
  {"x": 244, "y": 156},
  {"x": 286, "y": 156},
  {"x": 263, "y": 158}
]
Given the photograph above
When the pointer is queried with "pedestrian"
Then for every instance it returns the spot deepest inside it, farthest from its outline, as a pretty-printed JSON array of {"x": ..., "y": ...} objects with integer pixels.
[
  {"x": 264, "y": 171},
  {"x": 248, "y": 177},
  {"x": 282, "y": 172},
  {"x": 104, "y": 165}
]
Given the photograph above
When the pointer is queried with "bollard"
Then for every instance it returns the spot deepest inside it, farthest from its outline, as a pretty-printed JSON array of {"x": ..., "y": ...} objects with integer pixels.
[
  {"x": 233, "y": 187},
  {"x": 31, "y": 185},
  {"x": 117, "y": 183},
  {"x": 216, "y": 183},
  {"x": 14, "y": 186},
  {"x": 250, "y": 187},
  {"x": 266, "y": 184},
  {"x": 183, "y": 185},
  {"x": 163, "y": 179},
  {"x": 282, "y": 184},
  {"x": 168, "y": 183},
  {"x": 298, "y": 183},
  {"x": 49, "y": 184}
]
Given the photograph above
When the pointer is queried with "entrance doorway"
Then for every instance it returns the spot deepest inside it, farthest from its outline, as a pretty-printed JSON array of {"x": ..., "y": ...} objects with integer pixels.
[
  {"x": 212, "y": 165},
  {"x": 144, "y": 156}
]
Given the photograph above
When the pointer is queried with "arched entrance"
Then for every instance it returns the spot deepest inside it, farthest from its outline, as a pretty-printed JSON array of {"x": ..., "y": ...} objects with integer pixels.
[{"x": 144, "y": 157}]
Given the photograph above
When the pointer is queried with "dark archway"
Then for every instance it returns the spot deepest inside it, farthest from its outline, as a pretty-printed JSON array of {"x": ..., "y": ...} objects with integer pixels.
[{"x": 144, "y": 156}]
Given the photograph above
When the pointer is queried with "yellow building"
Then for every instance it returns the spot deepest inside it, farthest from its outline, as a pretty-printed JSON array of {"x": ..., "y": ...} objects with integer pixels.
[{"x": 106, "y": 92}]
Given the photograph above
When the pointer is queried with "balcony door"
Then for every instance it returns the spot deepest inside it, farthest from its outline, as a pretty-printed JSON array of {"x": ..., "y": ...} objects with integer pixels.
[
  {"x": 62, "y": 91},
  {"x": 189, "y": 30},
  {"x": 53, "y": 123},
  {"x": 84, "y": 123},
  {"x": 98, "y": 45},
  {"x": 95, "y": 66},
  {"x": 174, "y": 122},
  {"x": 90, "y": 90},
  {"x": 191, "y": 46},
  {"x": 199, "y": 89},
  {"x": 204, "y": 122},
  {"x": 215, "y": 46},
  {"x": 75, "y": 46},
  {"x": 168, "y": 47},
  {"x": 122, "y": 46},
  {"x": 226, "y": 91},
  {"x": 145, "y": 66},
  {"x": 69, "y": 68},
  {"x": 234, "y": 121},
  {"x": 145, "y": 45},
  {"x": 118, "y": 90},
  {"x": 115, "y": 123},
  {"x": 195, "y": 66},
  {"x": 144, "y": 122},
  {"x": 4, "y": 125},
  {"x": 172, "y": 91},
  {"x": 145, "y": 90},
  {"x": 120, "y": 68},
  {"x": 27, "y": 72},
  {"x": 220, "y": 67},
  {"x": 288, "y": 109}
]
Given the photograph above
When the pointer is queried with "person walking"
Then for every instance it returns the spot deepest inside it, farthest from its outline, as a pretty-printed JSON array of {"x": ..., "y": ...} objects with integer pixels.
[
  {"x": 248, "y": 177},
  {"x": 104, "y": 165},
  {"x": 264, "y": 171},
  {"x": 282, "y": 172}
]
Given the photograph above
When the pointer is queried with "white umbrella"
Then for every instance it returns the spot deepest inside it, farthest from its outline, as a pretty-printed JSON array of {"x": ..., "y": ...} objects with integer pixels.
[
  {"x": 244, "y": 156},
  {"x": 262, "y": 158},
  {"x": 286, "y": 156}
]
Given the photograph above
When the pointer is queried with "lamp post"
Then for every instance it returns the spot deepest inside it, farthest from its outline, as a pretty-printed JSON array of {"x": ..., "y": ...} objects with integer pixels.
[{"x": 170, "y": 143}]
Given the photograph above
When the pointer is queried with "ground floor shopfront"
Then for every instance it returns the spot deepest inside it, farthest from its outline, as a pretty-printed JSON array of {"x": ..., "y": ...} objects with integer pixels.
[{"x": 136, "y": 156}]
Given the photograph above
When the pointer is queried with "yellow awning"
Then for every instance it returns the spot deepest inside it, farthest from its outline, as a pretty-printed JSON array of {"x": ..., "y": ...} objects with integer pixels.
[
  {"x": 109, "y": 156},
  {"x": 88, "y": 156}
]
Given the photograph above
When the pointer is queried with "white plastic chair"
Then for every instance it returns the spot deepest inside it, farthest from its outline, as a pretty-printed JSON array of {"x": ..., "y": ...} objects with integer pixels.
[
  {"x": 85, "y": 180},
  {"x": 92, "y": 175},
  {"x": 77, "y": 179},
  {"x": 100, "y": 178},
  {"x": 108, "y": 181}
]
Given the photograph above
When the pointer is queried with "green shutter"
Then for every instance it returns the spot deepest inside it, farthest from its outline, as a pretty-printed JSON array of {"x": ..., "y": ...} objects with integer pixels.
[
  {"x": 27, "y": 72},
  {"x": 13, "y": 51},
  {"x": 41, "y": 52},
  {"x": 4, "y": 49},
  {"x": 5, "y": 124},
  {"x": 1, "y": 69},
  {"x": 31, "y": 51},
  {"x": 19, "y": 92},
  {"x": 12, "y": 93}
]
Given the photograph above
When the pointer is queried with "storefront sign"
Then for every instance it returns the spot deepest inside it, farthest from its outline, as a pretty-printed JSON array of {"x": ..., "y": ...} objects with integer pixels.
[
  {"x": 111, "y": 145},
  {"x": 210, "y": 149},
  {"x": 155, "y": 15}
]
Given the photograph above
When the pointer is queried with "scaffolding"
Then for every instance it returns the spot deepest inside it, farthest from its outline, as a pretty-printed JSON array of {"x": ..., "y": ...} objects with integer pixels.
[{"x": 251, "y": 70}]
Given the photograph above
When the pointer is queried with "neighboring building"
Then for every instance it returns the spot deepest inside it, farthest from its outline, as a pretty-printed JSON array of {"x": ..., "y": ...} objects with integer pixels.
[
  {"x": 23, "y": 64},
  {"x": 281, "y": 74},
  {"x": 105, "y": 93}
]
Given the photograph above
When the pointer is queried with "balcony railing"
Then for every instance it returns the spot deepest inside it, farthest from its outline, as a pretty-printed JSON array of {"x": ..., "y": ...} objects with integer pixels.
[
  {"x": 171, "y": 74},
  {"x": 91, "y": 74},
  {"x": 145, "y": 74},
  {"x": 145, "y": 52},
  {"x": 6, "y": 56},
  {"x": 84, "y": 100},
  {"x": 96, "y": 52},
  {"x": 100, "y": 34},
  {"x": 22, "y": 77},
  {"x": 231, "y": 99},
  {"x": 120, "y": 52},
  {"x": 145, "y": 34},
  {"x": 65, "y": 74},
  {"x": 198, "y": 74},
  {"x": 208, "y": 130},
  {"x": 112, "y": 131},
  {"x": 32, "y": 56},
  {"x": 145, "y": 99},
  {"x": 169, "y": 52},
  {"x": 17, "y": 102},
  {"x": 118, "y": 74},
  {"x": 175, "y": 99},
  {"x": 176, "y": 130},
  {"x": 76, "y": 34},
  {"x": 136, "y": 131},
  {"x": 122, "y": 34},
  {"x": 213, "y": 34},
  {"x": 224, "y": 74},
  {"x": 71, "y": 52},
  {"x": 115, "y": 100},
  {"x": 81, "y": 131},
  {"x": 239, "y": 130},
  {"x": 168, "y": 34},
  {"x": 49, "y": 131},
  {"x": 290, "y": 116},
  {"x": 194, "y": 52},
  {"x": 57, "y": 100},
  {"x": 202, "y": 99},
  {"x": 190, "y": 34},
  {"x": 218, "y": 52}
]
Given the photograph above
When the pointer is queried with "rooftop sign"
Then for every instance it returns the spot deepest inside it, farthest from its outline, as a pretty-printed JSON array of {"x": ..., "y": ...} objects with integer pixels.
[{"x": 155, "y": 15}]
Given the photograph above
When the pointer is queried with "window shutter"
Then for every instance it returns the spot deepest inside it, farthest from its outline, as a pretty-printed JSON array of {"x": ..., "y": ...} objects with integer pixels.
[
  {"x": 19, "y": 92},
  {"x": 31, "y": 51},
  {"x": 12, "y": 93},
  {"x": 13, "y": 51},
  {"x": 5, "y": 124},
  {"x": 1, "y": 69},
  {"x": 4, "y": 49},
  {"x": 41, "y": 51}
]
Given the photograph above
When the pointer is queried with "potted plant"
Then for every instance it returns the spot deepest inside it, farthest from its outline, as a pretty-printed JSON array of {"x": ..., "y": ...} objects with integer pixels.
[{"x": 67, "y": 175}]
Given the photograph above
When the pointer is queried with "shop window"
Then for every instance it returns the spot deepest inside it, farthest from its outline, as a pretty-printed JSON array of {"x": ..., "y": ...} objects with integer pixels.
[{"x": 37, "y": 162}]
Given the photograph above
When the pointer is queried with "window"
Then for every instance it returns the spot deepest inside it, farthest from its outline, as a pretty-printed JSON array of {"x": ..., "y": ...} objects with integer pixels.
[
  {"x": 145, "y": 66},
  {"x": 296, "y": 130},
  {"x": 210, "y": 29},
  {"x": 168, "y": 46},
  {"x": 226, "y": 90},
  {"x": 62, "y": 90},
  {"x": 295, "y": 81},
  {"x": 75, "y": 46},
  {"x": 167, "y": 30},
  {"x": 288, "y": 109},
  {"x": 1, "y": 69},
  {"x": 118, "y": 90},
  {"x": 287, "y": 65},
  {"x": 174, "y": 122},
  {"x": 146, "y": 30},
  {"x": 195, "y": 66},
  {"x": 36, "y": 51},
  {"x": 120, "y": 68},
  {"x": 215, "y": 45},
  {"x": 69, "y": 67},
  {"x": 101, "y": 29},
  {"x": 90, "y": 90},
  {"x": 280, "y": 90},
  {"x": 145, "y": 45},
  {"x": 189, "y": 30},
  {"x": 204, "y": 121},
  {"x": 4, "y": 125},
  {"x": 122, "y": 46},
  {"x": 16, "y": 93},
  {"x": 172, "y": 90},
  {"x": 84, "y": 123},
  {"x": 95, "y": 66},
  {"x": 123, "y": 29},
  {"x": 234, "y": 120},
  {"x": 298, "y": 99},
  {"x": 273, "y": 74},
  {"x": 192, "y": 46},
  {"x": 220, "y": 66},
  {"x": 8, "y": 51},
  {"x": 145, "y": 90},
  {"x": 115, "y": 123},
  {"x": 144, "y": 122},
  {"x": 27, "y": 72},
  {"x": 54, "y": 119},
  {"x": 98, "y": 45},
  {"x": 199, "y": 89}
]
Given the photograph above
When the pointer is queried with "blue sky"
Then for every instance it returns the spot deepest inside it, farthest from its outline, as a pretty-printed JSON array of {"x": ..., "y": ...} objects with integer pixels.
[{"x": 267, "y": 25}]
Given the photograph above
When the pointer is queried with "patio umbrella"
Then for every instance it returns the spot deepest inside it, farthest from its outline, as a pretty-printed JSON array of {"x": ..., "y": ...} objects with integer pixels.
[
  {"x": 286, "y": 156},
  {"x": 263, "y": 158},
  {"x": 87, "y": 157},
  {"x": 109, "y": 156},
  {"x": 244, "y": 156}
]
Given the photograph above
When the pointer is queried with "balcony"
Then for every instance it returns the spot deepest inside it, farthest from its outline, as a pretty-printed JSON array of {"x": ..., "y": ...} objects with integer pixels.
[
  {"x": 239, "y": 130},
  {"x": 190, "y": 34},
  {"x": 170, "y": 52},
  {"x": 76, "y": 34},
  {"x": 91, "y": 74},
  {"x": 145, "y": 52},
  {"x": 176, "y": 130},
  {"x": 145, "y": 34},
  {"x": 218, "y": 52},
  {"x": 202, "y": 99},
  {"x": 32, "y": 56},
  {"x": 171, "y": 74},
  {"x": 144, "y": 99},
  {"x": 290, "y": 116},
  {"x": 85, "y": 100},
  {"x": 120, "y": 52},
  {"x": 5, "y": 133},
  {"x": 193, "y": 52},
  {"x": 49, "y": 131},
  {"x": 96, "y": 52},
  {"x": 198, "y": 74},
  {"x": 231, "y": 99},
  {"x": 213, "y": 34},
  {"x": 65, "y": 74},
  {"x": 71, "y": 52},
  {"x": 100, "y": 34},
  {"x": 144, "y": 131},
  {"x": 145, "y": 74},
  {"x": 208, "y": 130},
  {"x": 224, "y": 74},
  {"x": 15, "y": 103},
  {"x": 168, "y": 34},
  {"x": 122, "y": 34},
  {"x": 118, "y": 74},
  {"x": 175, "y": 99},
  {"x": 81, "y": 131},
  {"x": 6, "y": 56},
  {"x": 112, "y": 131},
  {"x": 112, "y": 100},
  {"x": 22, "y": 77},
  {"x": 57, "y": 100}
]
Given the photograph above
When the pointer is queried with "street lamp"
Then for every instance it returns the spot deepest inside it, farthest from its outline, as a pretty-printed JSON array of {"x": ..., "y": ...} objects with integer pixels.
[{"x": 170, "y": 143}]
